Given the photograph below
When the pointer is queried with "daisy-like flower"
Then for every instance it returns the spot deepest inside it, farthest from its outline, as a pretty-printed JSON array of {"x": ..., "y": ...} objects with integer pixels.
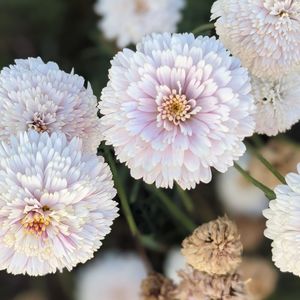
[
  {"x": 113, "y": 276},
  {"x": 55, "y": 203},
  {"x": 128, "y": 21},
  {"x": 283, "y": 224},
  {"x": 278, "y": 103},
  {"x": 40, "y": 96},
  {"x": 176, "y": 107},
  {"x": 264, "y": 34}
]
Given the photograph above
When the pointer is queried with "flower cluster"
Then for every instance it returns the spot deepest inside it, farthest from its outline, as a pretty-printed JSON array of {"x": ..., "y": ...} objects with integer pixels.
[{"x": 56, "y": 195}]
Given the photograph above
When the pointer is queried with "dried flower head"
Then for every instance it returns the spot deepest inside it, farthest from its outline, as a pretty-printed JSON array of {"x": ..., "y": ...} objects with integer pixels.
[
  {"x": 157, "y": 287},
  {"x": 214, "y": 247},
  {"x": 197, "y": 285}
]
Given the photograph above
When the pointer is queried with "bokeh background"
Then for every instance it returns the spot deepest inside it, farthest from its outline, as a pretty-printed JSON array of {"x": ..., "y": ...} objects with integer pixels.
[{"x": 65, "y": 31}]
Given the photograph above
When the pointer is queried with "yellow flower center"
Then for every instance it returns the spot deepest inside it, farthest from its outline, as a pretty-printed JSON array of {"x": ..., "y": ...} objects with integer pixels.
[
  {"x": 36, "y": 223},
  {"x": 175, "y": 108},
  {"x": 37, "y": 123}
]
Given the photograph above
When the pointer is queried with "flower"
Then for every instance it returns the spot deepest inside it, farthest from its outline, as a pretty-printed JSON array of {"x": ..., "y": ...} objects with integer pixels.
[
  {"x": 238, "y": 195},
  {"x": 199, "y": 285},
  {"x": 55, "y": 203},
  {"x": 37, "y": 95},
  {"x": 157, "y": 287},
  {"x": 114, "y": 276},
  {"x": 176, "y": 107},
  {"x": 283, "y": 224},
  {"x": 264, "y": 34},
  {"x": 278, "y": 103},
  {"x": 173, "y": 263},
  {"x": 261, "y": 277},
  {"x": 128, "y": 21},
  {"x": 214, "y": 247}
]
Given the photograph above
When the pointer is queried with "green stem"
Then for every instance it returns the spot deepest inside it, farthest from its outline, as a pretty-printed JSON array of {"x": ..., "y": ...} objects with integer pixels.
[
  {"x": 186, "y": 199},
  {"x": 122, "y": 194},
  {"x": 266, "y": 163},
  {"x": 203, "y": 28},
  {"x": 173, "y": 209},
  {"x": 268, "y": 192}
]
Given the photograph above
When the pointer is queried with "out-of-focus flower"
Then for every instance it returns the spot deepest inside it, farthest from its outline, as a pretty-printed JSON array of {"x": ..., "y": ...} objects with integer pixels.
[
  {"x": 214, "y": 247},
  {"x": 238, "y": 195},
  {"x": 40, "y": 96},
  {"x": 175, "y": 261},
  {"x": 265, "y": 35},
  {"x": 157, "y": 287},
  {"x": 278, "y": 103},
  {"x": 283, "y": 225},
  {"x": 200, "y": 285},
  {"x": 128, "y": 21},
  {"x": 114, "y": 276},
  {"x": 251, "y": 229},
  {"x": 176, "y": 107},
  {"x": 262, "y": 277},
  {"x": 55, "y": 203},
  {"x": 30, "y": 295}
]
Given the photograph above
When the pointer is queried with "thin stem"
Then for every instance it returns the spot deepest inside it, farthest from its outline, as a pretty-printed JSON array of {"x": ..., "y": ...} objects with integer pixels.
[
  {"x": 257, "y": 140},
  {"x": 268, "y": 192},
  {"x": 203, "y": 28},
  {"x": 186, "y": 199},
  {"x": 266, "y": 163},
  {"x": 173, "y": 209},
  {"x": 122, "y": 194}
]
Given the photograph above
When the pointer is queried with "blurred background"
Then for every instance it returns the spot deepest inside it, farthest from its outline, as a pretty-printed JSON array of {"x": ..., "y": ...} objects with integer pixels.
[{"x": 66, "y": 31}]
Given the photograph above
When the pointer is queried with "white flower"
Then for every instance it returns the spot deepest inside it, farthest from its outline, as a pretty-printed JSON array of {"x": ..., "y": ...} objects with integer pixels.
[
  {"x": 283, "y": 224},
  {"x": 128, "y": 21},
  {"x": 114, "y": 276},
  {"x": 176, "y": 107},
  {"x": 42, "y": 97},
  {"x": 55, "y": 203},
  {"x": 175, "y": 261},
  {"x": 278, "y": 103},
  {"x": 264, "y": 34},
  {"x": 238, "y": 196}
]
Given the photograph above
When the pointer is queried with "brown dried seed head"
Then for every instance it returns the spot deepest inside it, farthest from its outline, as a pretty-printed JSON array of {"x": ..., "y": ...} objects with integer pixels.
[{"x": 214, "y": 247}]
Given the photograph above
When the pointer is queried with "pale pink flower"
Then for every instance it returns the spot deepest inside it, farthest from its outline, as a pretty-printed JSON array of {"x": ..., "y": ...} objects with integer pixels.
[
  {"x": 264, "y": 34},
  {"x": 55, "y": 203},
  {"x": 176, "y": 107},
  {"x": 40, "y": 96}
]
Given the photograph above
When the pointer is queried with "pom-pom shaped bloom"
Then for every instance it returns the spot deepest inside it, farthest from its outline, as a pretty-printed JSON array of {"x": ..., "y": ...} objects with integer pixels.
[
  {"x": 113, "y": 276},
  {"x": 283, "y": 225},
  {"x": 214, "y": 247},
  {"x": 278, "y": 103},
  {"x": 55, "y": 203},
  {"x": 40, "y": 96},
  {"x": 157, "y": 287},
  {"x": 264, "y": 34},
  {"x": 176, "y": 107},
  {"x": 128, "y": 21},
  {"x": 200, "y": 285}
]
